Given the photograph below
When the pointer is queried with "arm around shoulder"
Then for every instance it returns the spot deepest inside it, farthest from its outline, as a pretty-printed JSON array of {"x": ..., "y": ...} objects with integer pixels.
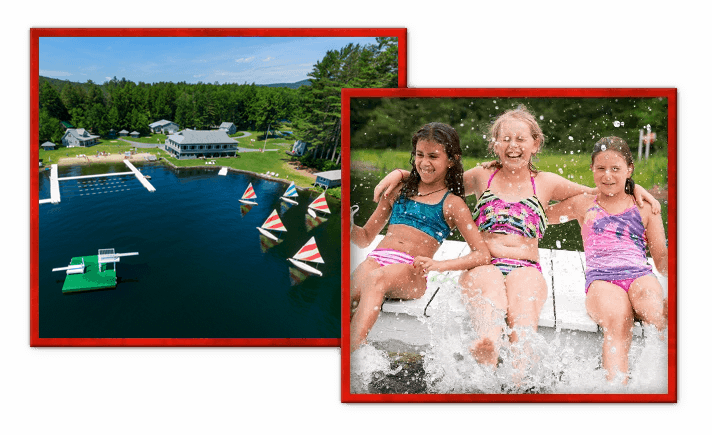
[
  {"x": 458, "y": 214},
  {"x": 657, "y": 242}
]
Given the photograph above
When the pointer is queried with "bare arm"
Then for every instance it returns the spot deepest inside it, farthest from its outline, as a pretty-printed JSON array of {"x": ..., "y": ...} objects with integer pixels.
[
  {"x": 655, "y": 232},
  {"x": 457, "y": 212},
  {"x": 566, "y": 210},
  {"x": 389, "y": 183},
  {"x": 565, "y": 189},
  {"x": 363, "y": 236}
]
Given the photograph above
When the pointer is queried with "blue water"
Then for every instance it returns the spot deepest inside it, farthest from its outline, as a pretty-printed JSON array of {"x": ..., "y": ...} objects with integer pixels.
[{"x": 201, "y": 271}]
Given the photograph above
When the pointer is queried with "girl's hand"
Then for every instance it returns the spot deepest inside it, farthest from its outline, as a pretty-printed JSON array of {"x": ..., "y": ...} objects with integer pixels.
[
  {"x": 488, "y": 165},
  {"x": 641, "y": 195},
  {"x": 354, "y": 210},
  {"x": 425, "y": 265},
  {"x": 386, "y": 186}
]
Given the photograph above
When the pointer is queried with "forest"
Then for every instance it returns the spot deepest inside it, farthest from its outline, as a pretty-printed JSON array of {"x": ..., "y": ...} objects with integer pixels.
[
  {"x": 569, "y": 124},
  {"x": 313, "y": 109}
]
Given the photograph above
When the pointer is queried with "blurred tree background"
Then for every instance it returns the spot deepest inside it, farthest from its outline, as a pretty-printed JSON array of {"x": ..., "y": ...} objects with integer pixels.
[{"x": 569, "y": 124}]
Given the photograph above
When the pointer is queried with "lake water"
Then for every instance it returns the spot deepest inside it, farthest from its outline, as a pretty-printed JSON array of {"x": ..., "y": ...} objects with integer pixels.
[{"x": 202, "y": 269}]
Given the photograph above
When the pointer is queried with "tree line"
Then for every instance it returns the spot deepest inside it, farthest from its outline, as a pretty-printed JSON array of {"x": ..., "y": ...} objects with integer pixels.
[
  {"x": 314, "y": 110},
  {"x": 569, "y": 124}
]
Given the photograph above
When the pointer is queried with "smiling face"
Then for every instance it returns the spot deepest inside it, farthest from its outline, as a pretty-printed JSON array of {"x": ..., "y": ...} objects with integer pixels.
[
  {"x": 610, "y": 170},
  {"x": 514, "y": 144},
  {"x": 431, "y": 161}
]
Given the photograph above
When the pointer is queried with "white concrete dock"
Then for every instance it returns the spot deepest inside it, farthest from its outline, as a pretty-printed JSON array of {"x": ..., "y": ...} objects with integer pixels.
[{"x": 565, "y": 307}]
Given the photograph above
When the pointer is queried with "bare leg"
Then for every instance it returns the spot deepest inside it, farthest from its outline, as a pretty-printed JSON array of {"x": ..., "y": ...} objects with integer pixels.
[
  {"x": 483, "y": 292},
  {"x": 646, "y": 298},
  {"x": 608, "y": 305},
  {"x": 359, "y": 279},
  {"x": 394, "y": 281},
  {"x": 526, "y": 294}
]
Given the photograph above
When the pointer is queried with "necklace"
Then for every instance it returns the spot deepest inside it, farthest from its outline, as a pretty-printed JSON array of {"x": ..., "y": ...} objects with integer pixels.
[{"x": 430, "y": 193}]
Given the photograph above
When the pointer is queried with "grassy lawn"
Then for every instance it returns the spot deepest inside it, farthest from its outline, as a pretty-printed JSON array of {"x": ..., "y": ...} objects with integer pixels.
[{"x": 574, "y": 167}]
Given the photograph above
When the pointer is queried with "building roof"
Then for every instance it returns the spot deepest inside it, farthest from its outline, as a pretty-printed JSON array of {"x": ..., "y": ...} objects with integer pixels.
[
  {"x": 135, "y": 132},
  {"x": 48, "y": 144},
  {"x": 123, "y": 131},
  {"x": 330, "y": 175},
  {"x": 80, "y": 134},
  {"x": 226, "y": 125},
  {"x": 160, "y": 123},
  {"x": 202, "y": 137}
]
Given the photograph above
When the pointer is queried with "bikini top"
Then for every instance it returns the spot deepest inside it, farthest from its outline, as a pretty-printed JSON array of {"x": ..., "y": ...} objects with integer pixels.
[
  {"x": 524, "y": 218},
  {"x": 427, "y": 218}
]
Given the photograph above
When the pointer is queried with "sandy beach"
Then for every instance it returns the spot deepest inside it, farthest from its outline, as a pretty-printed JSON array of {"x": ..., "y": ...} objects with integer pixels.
[{"x": 86, "y": 159}]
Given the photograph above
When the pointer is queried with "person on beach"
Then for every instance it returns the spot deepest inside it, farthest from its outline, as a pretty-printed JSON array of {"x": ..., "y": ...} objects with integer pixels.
[
  {"x": 510, "y": 213},
  {"x": 620, "y": 284},
  {"x": 422, "y": 212}
]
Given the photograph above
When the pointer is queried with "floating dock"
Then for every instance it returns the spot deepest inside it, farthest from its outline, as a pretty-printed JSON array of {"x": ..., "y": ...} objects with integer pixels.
[
  {"x": 53, "y": 186},
  {"x": 91, "y": 272},
  {"x": 95, "y": 277},
  {"x": 565, "y": 307},
  {"x": 223, "y": 171}
]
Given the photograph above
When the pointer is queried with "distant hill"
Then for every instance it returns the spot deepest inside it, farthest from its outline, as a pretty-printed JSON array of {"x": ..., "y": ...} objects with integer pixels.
[
  {"x": 59, "y": 84},
  {"x": 306, "y": 82}
]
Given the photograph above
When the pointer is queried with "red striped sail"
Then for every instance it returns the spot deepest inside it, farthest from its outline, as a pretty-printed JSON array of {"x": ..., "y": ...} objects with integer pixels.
[
  {"x": 249, "y": 193},
  {"x": 320, "y": 204},
  {"x": 309, "y": 252},
  {"x": 273, "y": 222}
]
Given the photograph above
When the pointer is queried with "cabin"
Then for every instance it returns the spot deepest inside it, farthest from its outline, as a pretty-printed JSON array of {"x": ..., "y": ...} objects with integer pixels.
[
  {"x": 328, "y": 179},
  {"x": 79, "y": 137},
  {"x": 228, "y": 127},
  {"x": 298, "y": 149},
  {"x": 111, "y": 134},
  {"x": 123, "y": 133},
  {"x": 48, "y": 146},
  {"x": 164, "y": 126},
  {"x": 191, "y": 144},
  {"x": 135, "y": 134}
]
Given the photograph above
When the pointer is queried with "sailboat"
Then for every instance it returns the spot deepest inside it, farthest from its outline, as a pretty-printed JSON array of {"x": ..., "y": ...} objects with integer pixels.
[
  {"x": 319, "y": 204},
  {"x": 309, "y": 252},
  {"x": 273, "y": 223},
  {"x": 248, "y": 195},
  {"x": 290, "y": 193}
]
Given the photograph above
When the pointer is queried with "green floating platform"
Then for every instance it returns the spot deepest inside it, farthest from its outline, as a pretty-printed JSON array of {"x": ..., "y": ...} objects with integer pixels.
[{"x": 95, "y": 277}]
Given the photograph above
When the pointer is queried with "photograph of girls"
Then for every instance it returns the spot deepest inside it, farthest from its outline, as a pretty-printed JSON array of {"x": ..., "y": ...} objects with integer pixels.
[
  {"x": 509, "y": 245},
  {"x": 188, "y": 189}
]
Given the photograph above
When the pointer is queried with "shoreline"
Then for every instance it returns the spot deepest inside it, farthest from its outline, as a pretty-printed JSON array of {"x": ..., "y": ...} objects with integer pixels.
[{"x": 139, "y": 158}]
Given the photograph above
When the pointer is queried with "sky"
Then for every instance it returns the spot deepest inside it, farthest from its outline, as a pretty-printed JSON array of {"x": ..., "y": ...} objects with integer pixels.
[{"x": 260, "y": 60}]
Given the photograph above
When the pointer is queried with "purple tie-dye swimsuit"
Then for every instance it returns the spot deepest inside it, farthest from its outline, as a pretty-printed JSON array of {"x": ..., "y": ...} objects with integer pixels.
[{"x": 614, "y": 245}]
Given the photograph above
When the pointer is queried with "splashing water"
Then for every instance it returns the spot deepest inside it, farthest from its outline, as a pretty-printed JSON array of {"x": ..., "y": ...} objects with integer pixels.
[{"x": 543, "y": 362}]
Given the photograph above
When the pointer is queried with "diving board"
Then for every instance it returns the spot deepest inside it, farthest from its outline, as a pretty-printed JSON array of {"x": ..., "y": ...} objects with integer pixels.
[{"x": 140, "y": 176}]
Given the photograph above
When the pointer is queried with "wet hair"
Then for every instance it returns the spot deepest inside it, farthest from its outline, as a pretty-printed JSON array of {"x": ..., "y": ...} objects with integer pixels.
[
  {"x": 446, "y": 136},
  {"x": 613, "y": 143},
  {"x": 521, "y": 113}
]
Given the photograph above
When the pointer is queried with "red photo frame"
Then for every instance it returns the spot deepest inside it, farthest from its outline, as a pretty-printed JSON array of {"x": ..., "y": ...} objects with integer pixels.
[
  {"x": 35, "y": 34},
  {"x": 348, "y": 97}
]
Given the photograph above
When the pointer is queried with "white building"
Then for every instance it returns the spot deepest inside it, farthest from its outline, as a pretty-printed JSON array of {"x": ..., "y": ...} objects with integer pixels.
[{"x": 191, "y": 144}]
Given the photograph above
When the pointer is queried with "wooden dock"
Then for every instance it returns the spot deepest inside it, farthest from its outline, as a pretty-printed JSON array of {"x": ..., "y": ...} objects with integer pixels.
[
  {"x": 140, "y": 176},
  {"x": 565, "y": 307},
  {"x": 53, "y": 186},
  {"x": 54, "y": 181}
]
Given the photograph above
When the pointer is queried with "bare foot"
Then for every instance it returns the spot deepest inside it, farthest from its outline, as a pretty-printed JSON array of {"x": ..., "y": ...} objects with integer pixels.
[{"x": 484, "y": 352}]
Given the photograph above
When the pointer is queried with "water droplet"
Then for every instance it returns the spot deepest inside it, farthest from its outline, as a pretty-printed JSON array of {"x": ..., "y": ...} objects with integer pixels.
[
  {"x": 558, "y": 244},
  {"x": 571, "y": 138},
  {"x": 616, "y": 123},
  {"x": 563, "y": 219}
]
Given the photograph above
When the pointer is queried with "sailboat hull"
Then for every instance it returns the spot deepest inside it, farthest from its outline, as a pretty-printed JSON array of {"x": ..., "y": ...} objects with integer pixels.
[
  {"x": 291, "y": 201},
  {"x": 267, "y": 234},
  {"x": 305, "y": 267},
  {"x": 244, "y": 201}
]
